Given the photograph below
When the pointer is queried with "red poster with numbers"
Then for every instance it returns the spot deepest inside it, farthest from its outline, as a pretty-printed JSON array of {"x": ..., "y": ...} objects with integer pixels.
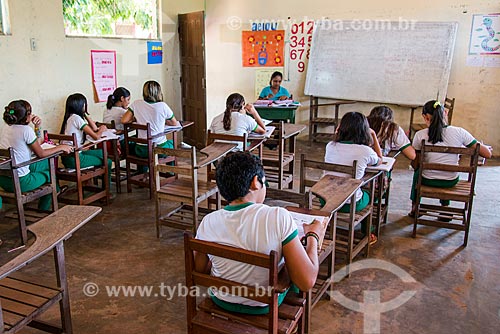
[
  {"x": 103, "y": 73},
  {"x": 263, "y": 48}
]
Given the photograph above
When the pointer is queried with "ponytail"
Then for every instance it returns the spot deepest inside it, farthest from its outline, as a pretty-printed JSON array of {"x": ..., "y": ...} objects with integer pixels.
[
  {"x": 117, "y": 96},
  {"x": 227, "y": 119},
  {"x": 111, "y": 102},
  {"x": 438, "y": 122},
  {"x": 234, "y": 102}
]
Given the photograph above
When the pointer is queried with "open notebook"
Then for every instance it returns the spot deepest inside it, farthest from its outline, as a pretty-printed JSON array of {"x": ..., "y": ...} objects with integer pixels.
[
  {"x": 301, "y": 218},
  {"x": 106, "y": 135},
  {"x": 269, "y": 131}
]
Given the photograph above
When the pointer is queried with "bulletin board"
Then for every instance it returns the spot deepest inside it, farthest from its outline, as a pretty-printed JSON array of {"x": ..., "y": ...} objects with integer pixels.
[{"x": 263, "y": 48}]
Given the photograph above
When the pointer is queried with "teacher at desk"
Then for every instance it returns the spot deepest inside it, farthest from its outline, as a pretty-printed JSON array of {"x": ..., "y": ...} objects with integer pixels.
[{"x": 274, "y": 91}]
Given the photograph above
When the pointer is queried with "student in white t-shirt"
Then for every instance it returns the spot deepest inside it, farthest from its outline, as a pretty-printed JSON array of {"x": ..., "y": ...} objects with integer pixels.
[
  {"x": 25, "y": 141},
  {"x": 78, "y": 121},
  {"x": 247, "y": 223},
  {"x": 389, "y": 134},
  {"x": 352, "y": 142},
  {"x": 154, "y": 111},
  {"x": 440, "y": 134},
  {"x": 236, "y": 119}
]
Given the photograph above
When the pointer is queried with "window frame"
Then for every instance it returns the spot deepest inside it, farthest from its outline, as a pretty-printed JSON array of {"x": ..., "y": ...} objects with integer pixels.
[
  {"x": 157, "y": 37},
  {"x": 4, "y": 18}
]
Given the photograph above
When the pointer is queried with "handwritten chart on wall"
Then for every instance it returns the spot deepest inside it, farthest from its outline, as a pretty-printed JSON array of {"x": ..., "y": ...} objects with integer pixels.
[
  {"x": 263, "y": 48},
  {"x": 396, "y": 66}
]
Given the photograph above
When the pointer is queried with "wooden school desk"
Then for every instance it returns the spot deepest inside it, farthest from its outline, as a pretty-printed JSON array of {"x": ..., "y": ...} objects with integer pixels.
[{"x": 22, "y": 301}]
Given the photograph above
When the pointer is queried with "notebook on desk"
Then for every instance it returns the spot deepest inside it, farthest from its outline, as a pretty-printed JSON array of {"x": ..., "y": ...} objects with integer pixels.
[
  {"x": 106, "y": 135},
  {"x": 301, "y": 218},
  {"x": 386, "y": 165},
  {"x": 269, "y": 131}
]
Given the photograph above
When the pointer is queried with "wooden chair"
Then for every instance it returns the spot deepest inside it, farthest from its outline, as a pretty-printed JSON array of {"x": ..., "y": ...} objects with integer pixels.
[
  {"x": 20, "y": 198},
  {"x": 87, "y": 188},
  {"x": 145, "y": 179},
  {"x": 248, "y": 145},
  {"x": 208, "y": 318},
  {"x": 114, "y": 154},
  {"x": 326, "y": 255},
  {"x": 185, "y": 187},
  {"x": 462, "y": 192},
  {"x": 348, "y": 242},
  {"x": 23, "y": 301},
  {"x": 279, "y": 163},
  {"x": 449, "y": 105}
]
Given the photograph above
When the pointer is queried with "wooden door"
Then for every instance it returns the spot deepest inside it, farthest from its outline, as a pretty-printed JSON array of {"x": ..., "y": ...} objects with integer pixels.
[{"x": 192, "y": 58}]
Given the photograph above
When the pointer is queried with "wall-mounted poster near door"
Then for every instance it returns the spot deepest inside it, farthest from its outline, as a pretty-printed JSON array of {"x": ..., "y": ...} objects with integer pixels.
[
  {"x": 103, "y": 73},
  {"x": 263, "y": 48}
]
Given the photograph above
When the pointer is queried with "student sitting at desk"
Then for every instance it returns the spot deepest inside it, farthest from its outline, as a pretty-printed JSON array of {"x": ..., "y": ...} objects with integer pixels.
[
  {"x": 274, "y": 91},
  {"x": 25, "y": 141},
  {"x": 440, "y": 134},
  {"x": 249, "y": 224},
  {"x": 78, "y": 121},
  {"x": 352, "y": 142},
  {"x": 389, "y": 134},
  {"x": 154, "y": 111},
  {"x": 235, "y": 121}
]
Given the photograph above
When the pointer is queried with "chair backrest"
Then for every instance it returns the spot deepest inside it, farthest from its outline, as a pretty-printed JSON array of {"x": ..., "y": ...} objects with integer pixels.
[
  {"x": 449, "y": 105},
  {"x": 129, "y": 129},
  {"x": 178, "y": 169},
  {"x": 196, "y": 278},
  {"x": 213, "y": 137},
  {"x": 308, "y": 180},
  {"x": 110, "y": 125},
  {"x": 468, "y": 161}
]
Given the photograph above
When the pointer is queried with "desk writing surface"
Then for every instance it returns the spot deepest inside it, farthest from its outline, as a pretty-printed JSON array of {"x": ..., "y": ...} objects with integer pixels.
[
  {"x": 49, "y": 231},
  {"x": 214, "y": 152},
  {"x": 291, "y": 130},
  {"x": 335, "y": 190}
]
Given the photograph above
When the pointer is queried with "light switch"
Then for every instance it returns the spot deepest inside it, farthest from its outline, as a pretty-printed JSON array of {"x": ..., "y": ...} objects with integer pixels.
[{"x": 33, "y": 44}]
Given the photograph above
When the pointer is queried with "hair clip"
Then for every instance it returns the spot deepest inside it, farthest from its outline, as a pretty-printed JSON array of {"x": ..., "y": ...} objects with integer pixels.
[
  {"x": 437, "y": 104},
  {"x": 12, "y": 111}
]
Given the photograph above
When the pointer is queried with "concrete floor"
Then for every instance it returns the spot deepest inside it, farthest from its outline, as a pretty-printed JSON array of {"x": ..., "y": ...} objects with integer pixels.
[{"x": 456, "y": 290}]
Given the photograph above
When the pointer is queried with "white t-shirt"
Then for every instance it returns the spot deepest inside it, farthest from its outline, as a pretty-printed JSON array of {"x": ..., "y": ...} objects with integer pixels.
[
  {"x": 114, "y": 114},
  {"x": 240, "y": 124},
  {"x": 452, "y": 136},
  {"x": 75, "y": 124},
  {"x": 19, "y": 137},
  {"x": 255, "y": 227},
  {"x": 345, "y": 154},
  {"x": 399, "y": 142},
  {"x": 153, "y": 113}
]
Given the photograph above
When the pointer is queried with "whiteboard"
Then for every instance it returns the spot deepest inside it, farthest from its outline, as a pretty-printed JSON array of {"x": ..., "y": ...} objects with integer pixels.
[{"x": 395, "y": 66}]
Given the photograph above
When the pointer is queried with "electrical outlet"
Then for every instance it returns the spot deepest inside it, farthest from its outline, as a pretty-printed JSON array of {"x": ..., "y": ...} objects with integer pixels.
[{"x": 33, "y": 45}]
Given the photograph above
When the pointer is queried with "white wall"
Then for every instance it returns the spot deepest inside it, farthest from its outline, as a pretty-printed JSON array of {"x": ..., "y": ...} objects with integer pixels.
[
  {"x": 61, "y": 65},
  {"x": 476, "y": 89}
]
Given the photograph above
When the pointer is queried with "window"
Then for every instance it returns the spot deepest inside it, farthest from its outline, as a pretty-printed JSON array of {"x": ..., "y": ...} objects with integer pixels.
[
  {"x": 4, "y": 18},
  {"x": 111, "y": 18}
]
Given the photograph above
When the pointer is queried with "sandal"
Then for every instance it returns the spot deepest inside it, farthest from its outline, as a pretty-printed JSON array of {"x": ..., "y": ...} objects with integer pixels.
[
  {"x": 62, "y": 190},
  {"x": 373, "y": 239}
]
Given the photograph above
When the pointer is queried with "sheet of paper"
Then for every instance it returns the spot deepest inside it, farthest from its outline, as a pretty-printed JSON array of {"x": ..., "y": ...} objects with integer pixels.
[
  {"x": 103, "y": 73},
  {"x": 47, "y": 146}
]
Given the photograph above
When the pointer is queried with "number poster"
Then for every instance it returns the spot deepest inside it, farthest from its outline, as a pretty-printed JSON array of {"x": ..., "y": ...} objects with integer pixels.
[{"x": 263, "y": 48}]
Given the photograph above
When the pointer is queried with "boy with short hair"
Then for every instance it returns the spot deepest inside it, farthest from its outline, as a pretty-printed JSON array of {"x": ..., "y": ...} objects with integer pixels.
[{"x": 247, "y": 223}]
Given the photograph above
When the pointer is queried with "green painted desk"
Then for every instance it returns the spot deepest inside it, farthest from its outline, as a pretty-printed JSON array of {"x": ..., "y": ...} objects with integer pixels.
[{"x": 286, "y": 114}]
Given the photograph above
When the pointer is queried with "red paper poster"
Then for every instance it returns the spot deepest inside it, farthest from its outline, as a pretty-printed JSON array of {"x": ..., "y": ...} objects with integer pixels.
[
  {"x": 263, "y": 48},
  {"x": 103, "y": 73}
]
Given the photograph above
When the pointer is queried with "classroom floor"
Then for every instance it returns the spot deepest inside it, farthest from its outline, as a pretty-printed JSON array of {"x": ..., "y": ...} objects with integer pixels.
[{"x": 454, "y": 290}]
